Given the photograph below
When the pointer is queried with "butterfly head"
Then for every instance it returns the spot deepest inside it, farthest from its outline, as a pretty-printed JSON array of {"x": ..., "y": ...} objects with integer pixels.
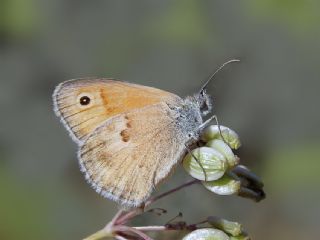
[
  {"x": 195, "y": 108},
  {"x": 204, "y": 101}
]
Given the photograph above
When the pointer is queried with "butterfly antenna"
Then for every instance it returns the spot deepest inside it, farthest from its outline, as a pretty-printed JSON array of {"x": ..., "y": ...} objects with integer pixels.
[{"x": 218, "y": 70}]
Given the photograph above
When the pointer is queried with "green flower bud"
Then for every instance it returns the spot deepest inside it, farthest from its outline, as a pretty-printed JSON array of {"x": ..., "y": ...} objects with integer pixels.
[
  {"x": 206, "y": 234},
  {"x": 226, "y": 151},
  {"x": 244, "y": 172},
  {"x": 230, "y": 136},
  {"x": 251, "y": 184},
  {"x": 223, "y": 186},
  {"x": 255, "y": 194},
  {"x": 213, "y": 163},
  {"x": 232, "y": 228},
  {"x": 243, "y": 236}
]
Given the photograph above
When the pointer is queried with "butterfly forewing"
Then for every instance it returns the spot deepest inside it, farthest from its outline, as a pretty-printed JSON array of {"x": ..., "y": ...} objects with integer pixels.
[{"x": 84, "y": 104}]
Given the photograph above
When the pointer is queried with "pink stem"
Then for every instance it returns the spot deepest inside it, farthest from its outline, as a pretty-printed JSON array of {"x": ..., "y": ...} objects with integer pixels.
[
  {"x": 151, "y": 228},
  {"x": 116, "y": 217},
  {"x": 122, "y": 228},
  {"x": 118, "y": 237},
  {"x": 126, "y": 217},
  {"x": 156, "y": 198}
]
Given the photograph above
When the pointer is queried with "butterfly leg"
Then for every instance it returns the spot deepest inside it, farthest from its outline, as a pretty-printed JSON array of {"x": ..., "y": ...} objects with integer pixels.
[{"x": 206, "y": 123}]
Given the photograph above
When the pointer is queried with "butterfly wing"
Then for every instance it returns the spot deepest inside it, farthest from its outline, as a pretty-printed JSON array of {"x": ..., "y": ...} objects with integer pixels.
[
  {"x": 107, "y": 98},
  {"x": 128, "y": 155}
]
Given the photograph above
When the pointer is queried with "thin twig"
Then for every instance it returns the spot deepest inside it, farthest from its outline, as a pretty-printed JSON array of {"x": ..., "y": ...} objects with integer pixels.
[
  {"x": 99, "y": 235},
  {"x": 122, "y": 228},
  {"x": 151, "y": 228},
  {"x": 156, "y": 198},
  {"x": 118, "y": 237},
  {"x": 110, "y": 225},
  {"x": 126, "y": 217}
]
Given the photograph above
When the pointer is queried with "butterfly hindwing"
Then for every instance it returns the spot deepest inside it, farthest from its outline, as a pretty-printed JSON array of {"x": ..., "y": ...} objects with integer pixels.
[{"x": 129, "y": 154}]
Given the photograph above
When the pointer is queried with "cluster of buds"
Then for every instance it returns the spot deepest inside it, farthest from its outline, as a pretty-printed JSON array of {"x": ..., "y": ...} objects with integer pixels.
[{"x": 219, "y": 171}]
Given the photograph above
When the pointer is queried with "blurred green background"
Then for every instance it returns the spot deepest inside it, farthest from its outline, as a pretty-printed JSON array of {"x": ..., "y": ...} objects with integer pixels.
[{"x": 270, "y": 98}]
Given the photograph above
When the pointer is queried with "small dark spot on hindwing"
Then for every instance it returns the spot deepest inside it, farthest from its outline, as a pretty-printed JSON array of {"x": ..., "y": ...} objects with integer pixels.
[{"x": 125, "y": 135}]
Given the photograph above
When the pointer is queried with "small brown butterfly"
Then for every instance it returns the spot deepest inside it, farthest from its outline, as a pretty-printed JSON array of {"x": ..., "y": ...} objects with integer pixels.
[{"x": 130, "y": 136}]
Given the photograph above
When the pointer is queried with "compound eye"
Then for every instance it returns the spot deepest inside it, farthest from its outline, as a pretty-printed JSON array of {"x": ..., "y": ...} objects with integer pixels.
[{"x": 84, "y": 100}]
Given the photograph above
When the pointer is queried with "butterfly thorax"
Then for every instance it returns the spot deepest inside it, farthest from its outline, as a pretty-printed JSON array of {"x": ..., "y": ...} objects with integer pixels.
[{"x": 188, "y": 119}]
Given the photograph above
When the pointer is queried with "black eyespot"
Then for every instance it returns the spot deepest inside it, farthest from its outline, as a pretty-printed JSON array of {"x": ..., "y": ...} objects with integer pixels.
[{"x": 85, "y": 100}]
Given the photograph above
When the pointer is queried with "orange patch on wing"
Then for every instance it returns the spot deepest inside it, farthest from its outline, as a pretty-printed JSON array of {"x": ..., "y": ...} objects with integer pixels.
[
  {"x": 121, "y": 97},
  {"x": 110, "y": 110},
  {"x": 110, "y": 98},
  {"x": 104, "y": 97}
]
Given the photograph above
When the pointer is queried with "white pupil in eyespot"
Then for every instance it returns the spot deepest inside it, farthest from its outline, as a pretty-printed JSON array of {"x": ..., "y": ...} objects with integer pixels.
[{"x": 85, "y": 100}]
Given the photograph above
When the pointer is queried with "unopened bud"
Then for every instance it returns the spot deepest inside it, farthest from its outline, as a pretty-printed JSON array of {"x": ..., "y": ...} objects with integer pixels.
[
  {"x": 232, "y": 228},
  {"x": 244, "y": 172},
  {"x": 242, "y": 236},
  {"x": 207, "y": 159},
  {"x": 226, "y": 151},
  {"x": 255, "y": 194},
  {"x": 223, "y": 186},
  {"x": 228, "y": 135},
  {"x": 207, "y": 234}
]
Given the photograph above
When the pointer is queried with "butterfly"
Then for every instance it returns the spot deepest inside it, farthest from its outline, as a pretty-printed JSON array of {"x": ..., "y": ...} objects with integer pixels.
[{"x": 130, "y": 136}]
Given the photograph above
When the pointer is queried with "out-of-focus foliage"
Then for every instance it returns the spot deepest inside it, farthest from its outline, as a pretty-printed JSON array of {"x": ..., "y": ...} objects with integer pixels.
[
  {"x": 184, "y": 23},
  {"x": 19, "y": 18},
  {"x": 298, "y": 15},
  {"x": 294, "y": 167},
  {"x": 270, "y": 99}
]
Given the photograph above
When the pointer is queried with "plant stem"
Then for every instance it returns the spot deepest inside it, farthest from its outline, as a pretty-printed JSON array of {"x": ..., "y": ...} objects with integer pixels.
[
  {"x": 126, "y": 217},
  {"x": 122, "y": 228},
  {"x": 114, "y": 220},
  {"x": 151, "y": 228},
  {"x": 99, "y": 235},
  {"x": 120, "y": 218},
  {"x": 120, "y": 237},
  {"x": 156, "y": 198}
]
